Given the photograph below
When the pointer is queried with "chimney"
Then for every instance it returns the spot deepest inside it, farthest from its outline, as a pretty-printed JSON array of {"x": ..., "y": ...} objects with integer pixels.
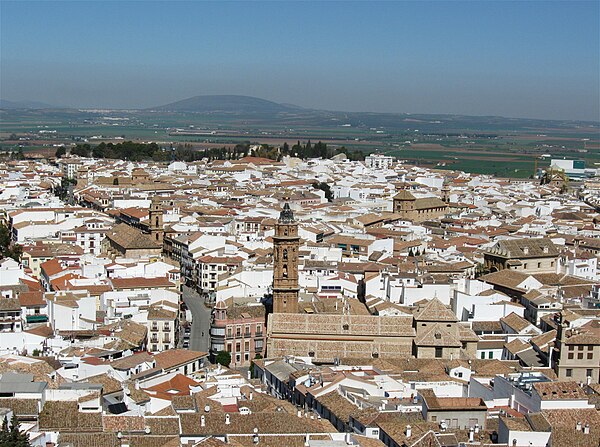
[
  {"x": 306, "y": 441},
  {"x": 408, "y": 431},
  {"x": 249, "y": 375},
  {"x": 299, "y": 413},
  {"x": 207, "y": 408},
  {"x": 227, "y": 421},
  {"x": 348, "y": 439},
  {"x": 586, "y": 429},
  {"x": 202, "y": 421},
  {"x": 471, "y": 434},
  {"x": 578, "y": 426},
  {"x": 250, "y": 396}
]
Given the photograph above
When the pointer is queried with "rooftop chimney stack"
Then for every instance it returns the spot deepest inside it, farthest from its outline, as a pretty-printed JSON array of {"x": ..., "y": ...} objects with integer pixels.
[
  {"x": 227, "y": 419},
  {"x": 586, "y": 429},
  {"x": 578, "y": 426},
  {"x": 408, "y": 431},
  {"x": 202, "y": 421}
]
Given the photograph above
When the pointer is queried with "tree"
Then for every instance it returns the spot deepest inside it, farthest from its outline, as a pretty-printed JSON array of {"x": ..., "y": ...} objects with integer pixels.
[
  {"x": 8, "y": 249},
  {"x": 60, "y": 152},
  {"x": 223, "y": 358},
  {"x": 325, "y": 188},
  {"x": 11, "y": 436}
]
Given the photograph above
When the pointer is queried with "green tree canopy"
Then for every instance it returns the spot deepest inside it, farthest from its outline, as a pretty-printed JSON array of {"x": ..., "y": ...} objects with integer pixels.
[{"x": 223, "y": 358}]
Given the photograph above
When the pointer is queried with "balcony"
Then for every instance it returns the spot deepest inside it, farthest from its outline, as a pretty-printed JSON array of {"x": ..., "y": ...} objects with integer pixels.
[
  {"x": 154, "y": 329},
  {"x": 154, "y": 340},
  {"x": 166, "y": 328},
  {"x": 166, "y": 340}
]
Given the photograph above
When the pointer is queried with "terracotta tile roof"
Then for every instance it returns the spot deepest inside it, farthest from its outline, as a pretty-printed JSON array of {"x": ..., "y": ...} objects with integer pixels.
[
  {"x": 131, "y": 361},
  {"x": 273, "y": 423},
  {"x": 560, "y": 390},
  {"x": 434, "y": 310},
  {"x": 32, "y": 299},
  {"x": 563, "y": 424},
  {"x": 141, "y": 282},
  {"x": 130, "y": 238},
  {"x": 64, "y": 416},
  {"x": 96, "y": 439},
  {"x": 515, "y": 322},
  {"x": 179, "y": 385},
  {"x": 175, "y": 357}
]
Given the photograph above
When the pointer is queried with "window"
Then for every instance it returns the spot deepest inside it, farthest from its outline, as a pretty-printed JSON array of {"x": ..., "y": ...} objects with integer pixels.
[
  {"x": 433, "y": 418},
  {"x": 525, "y": 266},
  {"x": 571, "y": 348},
  {"x": 580, "y": 347},
  {"x": 570, "y": 356},
  {"x": 590, "y": 347},
  {"x": 238, "y": 331},
  {"x": 438, "y": 353},
  {"x": 229, "y": 332},
  {"x": 590, "y": 355},
  {"x": 285, "y": 254},
  {"x": 588, "y": 373},
  {"x": 569, "y": 372},
  {"x": 490, "y": 355}
]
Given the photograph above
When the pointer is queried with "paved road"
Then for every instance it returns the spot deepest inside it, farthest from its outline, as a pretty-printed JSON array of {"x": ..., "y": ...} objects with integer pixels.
[{"x": 200, "y": 322}]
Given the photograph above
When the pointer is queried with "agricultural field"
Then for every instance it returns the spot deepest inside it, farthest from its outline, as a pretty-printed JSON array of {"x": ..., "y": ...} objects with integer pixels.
[{"x": 486, "y": 145}]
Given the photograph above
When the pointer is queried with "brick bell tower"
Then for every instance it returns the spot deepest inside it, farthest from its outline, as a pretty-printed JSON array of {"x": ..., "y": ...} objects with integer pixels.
[
  {"x": 285, "y": 263},
  {"x": 155, "y": 216}
]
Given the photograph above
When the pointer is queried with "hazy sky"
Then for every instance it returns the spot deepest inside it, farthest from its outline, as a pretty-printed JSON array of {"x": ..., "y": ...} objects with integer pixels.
[{"x": 520, "y": 59}]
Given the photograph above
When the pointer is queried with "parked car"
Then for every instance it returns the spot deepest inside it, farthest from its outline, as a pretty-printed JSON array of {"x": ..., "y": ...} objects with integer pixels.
[{"x": 186, "y": 344}]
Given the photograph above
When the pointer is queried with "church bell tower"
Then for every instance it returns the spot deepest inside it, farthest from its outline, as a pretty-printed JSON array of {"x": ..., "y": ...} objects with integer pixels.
[
  {"x": 285, "y": 263},
  {"x": 156, "y": 212}
]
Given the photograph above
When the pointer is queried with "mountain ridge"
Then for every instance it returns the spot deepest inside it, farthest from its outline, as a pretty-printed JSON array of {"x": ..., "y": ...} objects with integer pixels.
[{"x": 225, "y": 104}]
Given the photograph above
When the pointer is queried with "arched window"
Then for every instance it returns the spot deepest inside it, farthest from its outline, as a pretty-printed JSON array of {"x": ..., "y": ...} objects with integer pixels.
[
  {"x": 285, "y": 255},
  {"x": 285, "y": 231},
  {"x": 156, "y": 220},
  {"x": 285, "y": 272}
]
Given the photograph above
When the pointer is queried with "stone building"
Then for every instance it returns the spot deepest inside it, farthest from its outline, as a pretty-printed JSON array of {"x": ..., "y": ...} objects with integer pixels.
[
  {"x": 130, "y": 242},
  {"x": 537, "y": 255},
  {"x": 408, "y": 207},
  {"x": 440, "y": 335},
  {"x": 285, "y": 263},
  {"x": 576, "y": 354},
  {"x": 325, "y": 337}
]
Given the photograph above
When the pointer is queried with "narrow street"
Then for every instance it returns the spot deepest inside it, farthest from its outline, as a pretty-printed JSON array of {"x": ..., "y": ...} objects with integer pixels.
[{"x": 200, "y": 322}]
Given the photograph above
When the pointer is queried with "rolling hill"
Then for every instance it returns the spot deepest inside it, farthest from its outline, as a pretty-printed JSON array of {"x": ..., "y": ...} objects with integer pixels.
[{"x": 226, "y": 104}]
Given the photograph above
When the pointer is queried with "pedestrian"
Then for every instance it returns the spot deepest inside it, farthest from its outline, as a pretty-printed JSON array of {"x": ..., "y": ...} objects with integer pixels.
[{"x": 203, "y": 333}]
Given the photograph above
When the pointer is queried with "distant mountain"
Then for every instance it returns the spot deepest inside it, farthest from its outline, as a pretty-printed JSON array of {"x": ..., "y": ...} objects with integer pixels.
[
  {"x": 6, "y": 104},
  {"x": 226, "y": 104}
]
